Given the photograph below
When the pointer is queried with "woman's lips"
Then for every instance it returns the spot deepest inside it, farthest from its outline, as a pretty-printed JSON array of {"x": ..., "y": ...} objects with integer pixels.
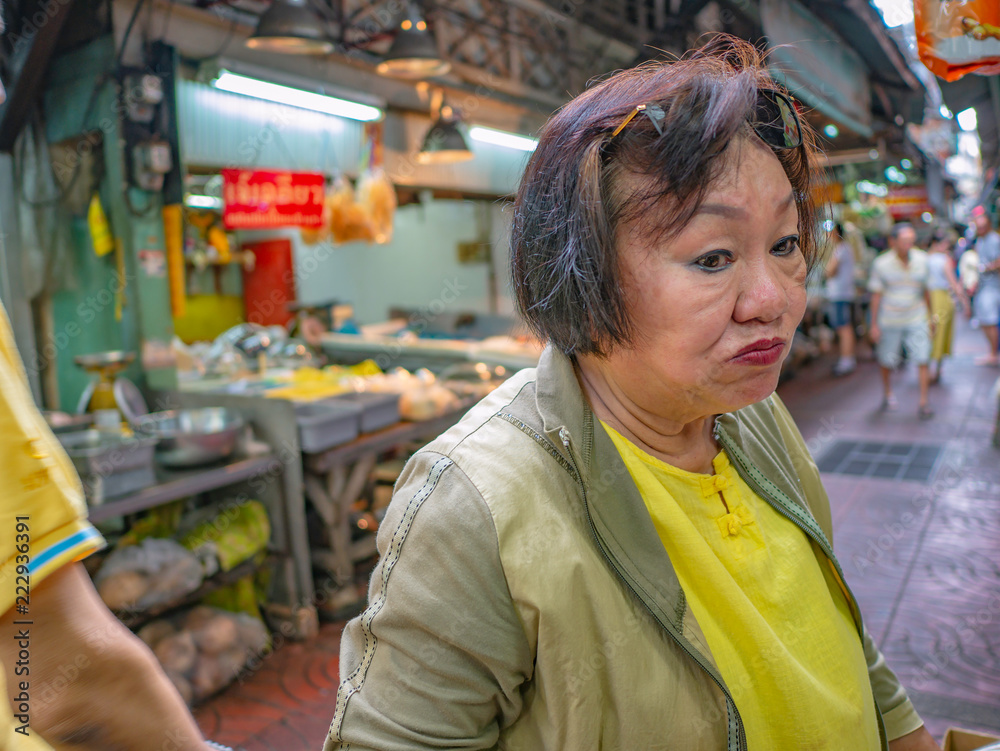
[{"x": 761, "y": 352}]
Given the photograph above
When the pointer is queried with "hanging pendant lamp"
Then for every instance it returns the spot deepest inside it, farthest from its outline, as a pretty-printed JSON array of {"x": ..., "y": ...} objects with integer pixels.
[
  {"x": 291, "y": 27},
  {"x": 414, "y": 52},
  {"x": 444, "y": 142}
]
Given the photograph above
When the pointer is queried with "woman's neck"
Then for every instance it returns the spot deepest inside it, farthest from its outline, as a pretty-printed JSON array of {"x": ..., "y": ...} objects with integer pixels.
[{"x": 686, "y": 442}]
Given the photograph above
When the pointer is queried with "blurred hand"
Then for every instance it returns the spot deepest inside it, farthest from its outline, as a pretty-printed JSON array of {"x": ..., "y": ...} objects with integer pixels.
[
  {"x": 874, "y": 333},
  {"x": 918, "y": 740}
]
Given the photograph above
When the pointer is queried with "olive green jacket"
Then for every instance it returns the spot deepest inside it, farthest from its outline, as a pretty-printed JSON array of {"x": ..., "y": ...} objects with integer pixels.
[{"x": 523, "y": 599}]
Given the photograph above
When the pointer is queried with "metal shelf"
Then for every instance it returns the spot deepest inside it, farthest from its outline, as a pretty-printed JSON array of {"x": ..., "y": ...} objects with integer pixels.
[{"x": 175, "y": 484}]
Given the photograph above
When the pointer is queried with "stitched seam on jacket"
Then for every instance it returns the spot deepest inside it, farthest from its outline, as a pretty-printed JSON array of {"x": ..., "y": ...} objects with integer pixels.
[
  {"x": 348, "y": 688},
  {"x": 542, "y": 440},
  {"x": 486, "y": 422},
  {"x": 791, "y": 505}
]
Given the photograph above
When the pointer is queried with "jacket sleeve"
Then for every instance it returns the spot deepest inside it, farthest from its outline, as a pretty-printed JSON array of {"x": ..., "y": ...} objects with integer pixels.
[
  {"x": 438, "y": 658},
  {"x": 898, "y": 712}
]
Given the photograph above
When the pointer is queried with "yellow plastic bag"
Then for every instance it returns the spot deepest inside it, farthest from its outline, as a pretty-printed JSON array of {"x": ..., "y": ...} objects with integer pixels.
[{"x": 100, "y": 230}]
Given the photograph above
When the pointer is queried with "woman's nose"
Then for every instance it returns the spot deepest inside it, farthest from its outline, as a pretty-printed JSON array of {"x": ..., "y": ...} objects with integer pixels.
[{"x": 763, "y": 293}]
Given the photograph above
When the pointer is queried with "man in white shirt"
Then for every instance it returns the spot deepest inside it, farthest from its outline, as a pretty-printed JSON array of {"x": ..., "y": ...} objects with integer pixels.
[{"x": 899, "y": 306}]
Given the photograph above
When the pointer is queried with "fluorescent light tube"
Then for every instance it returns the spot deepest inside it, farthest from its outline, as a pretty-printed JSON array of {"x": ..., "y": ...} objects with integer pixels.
[
  {"x": 196, "y": 201},
  {"x": 331, "y": 105},
  {"x": 968, "y": 120},
  {"x": 502, "y": 138}
]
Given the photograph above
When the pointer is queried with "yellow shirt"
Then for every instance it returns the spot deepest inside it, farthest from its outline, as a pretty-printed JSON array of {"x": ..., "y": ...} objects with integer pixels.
[
  {"x": 42, "y": 491},
  {"x": 776, "y": 621}
]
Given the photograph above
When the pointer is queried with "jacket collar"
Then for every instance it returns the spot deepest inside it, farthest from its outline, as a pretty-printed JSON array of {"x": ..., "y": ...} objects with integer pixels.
[
  {"x": 558, "y": 397},
  {"x": 623, "y": 526}
]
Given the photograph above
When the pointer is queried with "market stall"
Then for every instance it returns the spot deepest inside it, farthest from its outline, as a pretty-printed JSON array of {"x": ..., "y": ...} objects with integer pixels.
[{"x": 195, "y": 510}]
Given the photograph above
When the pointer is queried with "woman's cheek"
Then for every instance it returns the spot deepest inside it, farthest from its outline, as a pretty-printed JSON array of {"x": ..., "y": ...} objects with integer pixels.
[{"x": 797, "y": 302}]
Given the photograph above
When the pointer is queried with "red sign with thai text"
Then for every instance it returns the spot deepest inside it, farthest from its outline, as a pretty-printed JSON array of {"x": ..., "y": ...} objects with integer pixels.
[
  {"x": 260, "y": 199},
  {"x": 908, "y": 201}
]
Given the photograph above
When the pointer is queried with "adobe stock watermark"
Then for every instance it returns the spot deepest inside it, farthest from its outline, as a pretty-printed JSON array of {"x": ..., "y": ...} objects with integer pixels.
[{"x": 895, "y": 531}]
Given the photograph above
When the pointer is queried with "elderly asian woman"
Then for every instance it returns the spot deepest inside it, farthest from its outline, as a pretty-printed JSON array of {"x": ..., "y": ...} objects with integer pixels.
[{"x": 629, "y": 546}]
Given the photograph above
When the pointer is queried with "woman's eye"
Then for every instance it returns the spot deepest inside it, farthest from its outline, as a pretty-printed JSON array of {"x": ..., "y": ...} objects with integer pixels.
[
  {"x": 714, "y": 261},
  {"x": 786, "y": 246}
]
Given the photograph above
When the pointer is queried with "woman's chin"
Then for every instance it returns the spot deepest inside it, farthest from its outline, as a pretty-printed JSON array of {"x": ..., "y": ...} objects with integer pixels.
[{"x": 751, "y": 390}]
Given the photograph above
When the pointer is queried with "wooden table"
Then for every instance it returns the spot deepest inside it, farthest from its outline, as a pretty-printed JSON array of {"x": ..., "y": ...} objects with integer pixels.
[{"x": 334, "y": 480}]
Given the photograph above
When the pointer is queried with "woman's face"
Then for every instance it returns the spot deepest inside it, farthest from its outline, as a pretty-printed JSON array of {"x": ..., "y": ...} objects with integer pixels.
[{"x": 715, "y": 307}]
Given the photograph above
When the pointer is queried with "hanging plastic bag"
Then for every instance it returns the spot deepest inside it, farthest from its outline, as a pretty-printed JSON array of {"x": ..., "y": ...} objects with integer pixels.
[
  {"x": 378, "y": 196},
  {"x": 955, "y": 37},
  {"x": 349, "y": 221}
]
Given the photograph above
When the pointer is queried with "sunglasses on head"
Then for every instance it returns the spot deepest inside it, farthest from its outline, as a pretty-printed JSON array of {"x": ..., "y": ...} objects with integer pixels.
[{"x": 773, "y": 118}]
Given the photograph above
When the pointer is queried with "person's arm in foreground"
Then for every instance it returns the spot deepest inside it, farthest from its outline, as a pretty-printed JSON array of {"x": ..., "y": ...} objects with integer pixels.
[{"x": 94, "y": 684}]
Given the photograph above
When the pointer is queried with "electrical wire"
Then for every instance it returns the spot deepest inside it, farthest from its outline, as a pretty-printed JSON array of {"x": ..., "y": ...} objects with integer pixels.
[
  {"x": 128, "y": 32},
  {"x": 18, "y": 161},
  {"x": 166, "y": 20}
]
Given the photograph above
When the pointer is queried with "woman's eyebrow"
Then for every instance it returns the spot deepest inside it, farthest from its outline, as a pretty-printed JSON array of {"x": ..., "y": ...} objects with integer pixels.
[{"x": 729, "y": 211}]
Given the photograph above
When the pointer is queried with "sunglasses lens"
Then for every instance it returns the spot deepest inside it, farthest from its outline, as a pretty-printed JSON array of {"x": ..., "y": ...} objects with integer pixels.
[{"x": 776, "y": 120}]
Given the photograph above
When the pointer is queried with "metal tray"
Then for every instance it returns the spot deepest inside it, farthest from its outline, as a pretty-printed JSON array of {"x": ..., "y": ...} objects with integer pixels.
[
  {"x": 97, "y": 452},
  {"x": 325, "y": 424},
  {"x": 110, "y": 464},
  {"x": 99, "y": 488},
  {"x": 378, "y": 410},
  {"x": 191, "y": 437}
]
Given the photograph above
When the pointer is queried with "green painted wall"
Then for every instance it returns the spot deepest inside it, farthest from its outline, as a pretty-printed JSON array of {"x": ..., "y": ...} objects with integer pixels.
[{"x": 84, "y": 315}]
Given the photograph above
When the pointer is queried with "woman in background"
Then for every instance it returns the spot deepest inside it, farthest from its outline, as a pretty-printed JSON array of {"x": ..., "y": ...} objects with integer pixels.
[
  {"x": 840, "y": 293},
  {"x": 942, "y": 283}
]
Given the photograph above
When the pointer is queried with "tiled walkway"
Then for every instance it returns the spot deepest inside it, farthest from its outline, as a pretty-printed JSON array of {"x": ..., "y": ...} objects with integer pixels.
[{"x": 923, "y": 559}]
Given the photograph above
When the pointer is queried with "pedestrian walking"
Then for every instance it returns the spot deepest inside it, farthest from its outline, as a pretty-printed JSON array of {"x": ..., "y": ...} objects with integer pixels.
[
  {"x": 942, "y": 284},
  {"x": 900, "y": 305},
  {"x": 987, "y": 299},
  {"x": 840, "y": 295}
]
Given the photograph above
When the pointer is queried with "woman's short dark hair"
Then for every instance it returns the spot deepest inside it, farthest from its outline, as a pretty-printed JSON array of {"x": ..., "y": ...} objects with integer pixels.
[{"x": 570, "y": 203}]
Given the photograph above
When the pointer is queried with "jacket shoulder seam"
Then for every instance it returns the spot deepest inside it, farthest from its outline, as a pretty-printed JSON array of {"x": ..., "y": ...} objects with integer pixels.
[{"x": 488, "y": 419}]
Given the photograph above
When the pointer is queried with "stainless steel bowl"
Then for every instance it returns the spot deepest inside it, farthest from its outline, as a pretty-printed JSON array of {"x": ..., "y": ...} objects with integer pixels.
[{"x": 189, "y": 437}]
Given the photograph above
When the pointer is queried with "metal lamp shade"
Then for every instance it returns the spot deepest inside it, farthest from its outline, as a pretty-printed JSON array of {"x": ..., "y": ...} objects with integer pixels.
[
  {"x": 413, "y": 54},
  {"x": 290, "y": 27},
  {"x": 444, "y": 144}
]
